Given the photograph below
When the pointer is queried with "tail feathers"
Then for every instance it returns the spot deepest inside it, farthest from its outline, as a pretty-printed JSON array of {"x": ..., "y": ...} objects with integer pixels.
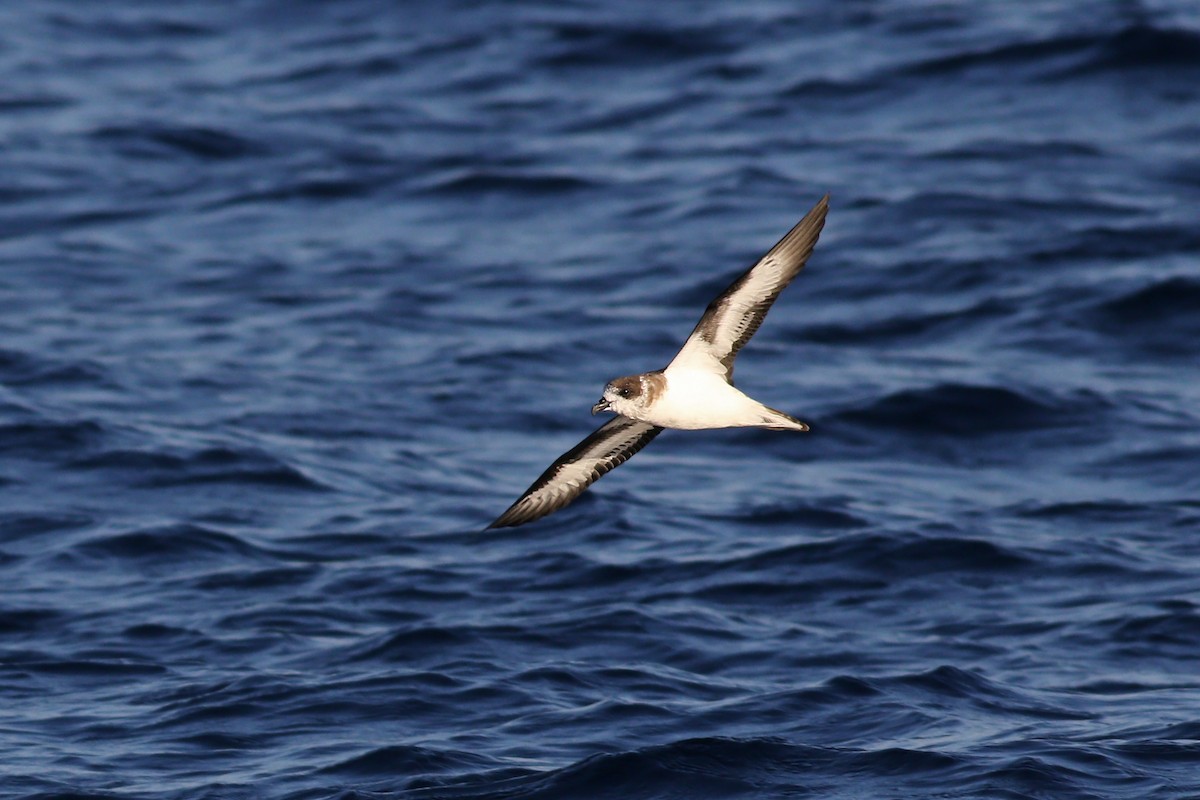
[{"x": 776, "y": 420}]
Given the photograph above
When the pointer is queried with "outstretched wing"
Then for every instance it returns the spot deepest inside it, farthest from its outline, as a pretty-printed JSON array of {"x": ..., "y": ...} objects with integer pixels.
[
  {"x": 731, "y": 319},
  {"x": 609, "y": 446}
]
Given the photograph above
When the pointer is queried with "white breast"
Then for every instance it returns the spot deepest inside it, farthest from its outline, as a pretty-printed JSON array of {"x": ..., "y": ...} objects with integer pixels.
[{"x": 697, "y": 399}]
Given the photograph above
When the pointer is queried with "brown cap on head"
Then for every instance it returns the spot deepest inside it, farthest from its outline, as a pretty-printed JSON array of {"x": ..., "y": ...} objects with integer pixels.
[{"x": 629, "y": 387}]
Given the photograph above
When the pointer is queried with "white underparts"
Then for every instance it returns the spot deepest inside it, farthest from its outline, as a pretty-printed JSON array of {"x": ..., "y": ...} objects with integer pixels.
[{"x": 699, "y": 399}]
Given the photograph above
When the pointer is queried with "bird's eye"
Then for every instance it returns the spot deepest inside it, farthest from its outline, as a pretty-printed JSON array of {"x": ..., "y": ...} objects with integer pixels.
[{"x": 623, "y": 392}]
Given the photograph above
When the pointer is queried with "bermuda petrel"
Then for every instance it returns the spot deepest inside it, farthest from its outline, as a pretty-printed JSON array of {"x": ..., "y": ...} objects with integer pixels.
[{"x": 695, "y": 391}]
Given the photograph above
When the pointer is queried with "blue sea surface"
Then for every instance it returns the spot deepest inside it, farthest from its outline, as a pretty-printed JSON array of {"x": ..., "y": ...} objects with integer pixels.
[{"x": 297, "y": 297}]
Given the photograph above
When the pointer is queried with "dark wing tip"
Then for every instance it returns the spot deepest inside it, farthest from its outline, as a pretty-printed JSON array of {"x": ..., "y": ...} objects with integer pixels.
[
  {"x": 534, "y": 504},
  {"x": 513, "y": 517},
  {"x": 797, "y": 245},
  {"x": 609, "y": 446}
]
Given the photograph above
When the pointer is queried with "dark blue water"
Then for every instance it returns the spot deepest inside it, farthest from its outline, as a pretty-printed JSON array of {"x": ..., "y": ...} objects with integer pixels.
[{"x": 296, "y": 297}]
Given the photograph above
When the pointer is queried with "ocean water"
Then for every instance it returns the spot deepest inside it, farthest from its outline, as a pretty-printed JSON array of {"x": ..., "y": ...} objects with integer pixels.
[{"x": 298, "y": 296}]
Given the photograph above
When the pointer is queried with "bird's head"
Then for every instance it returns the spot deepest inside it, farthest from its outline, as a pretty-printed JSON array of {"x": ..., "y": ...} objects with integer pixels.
[{"x": 626, "y": 396}]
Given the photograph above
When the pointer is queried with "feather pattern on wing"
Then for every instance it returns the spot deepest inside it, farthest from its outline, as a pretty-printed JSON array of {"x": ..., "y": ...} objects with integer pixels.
[
  {"x": 609, "y": 446},
  {"x": 732, "y": 318}
]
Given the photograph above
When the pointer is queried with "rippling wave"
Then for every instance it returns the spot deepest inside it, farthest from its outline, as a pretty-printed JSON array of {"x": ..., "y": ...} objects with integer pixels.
[{"x": 297, "y": 297}]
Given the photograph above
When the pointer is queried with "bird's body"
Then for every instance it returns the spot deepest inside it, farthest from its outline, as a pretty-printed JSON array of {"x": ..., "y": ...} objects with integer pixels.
[
  {"x": 694, "y": 392},
  {"x": 692, "y": 399}
]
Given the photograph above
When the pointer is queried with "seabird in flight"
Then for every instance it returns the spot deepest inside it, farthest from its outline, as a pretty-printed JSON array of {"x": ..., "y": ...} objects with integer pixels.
[{"x": 695, "y": 391}]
